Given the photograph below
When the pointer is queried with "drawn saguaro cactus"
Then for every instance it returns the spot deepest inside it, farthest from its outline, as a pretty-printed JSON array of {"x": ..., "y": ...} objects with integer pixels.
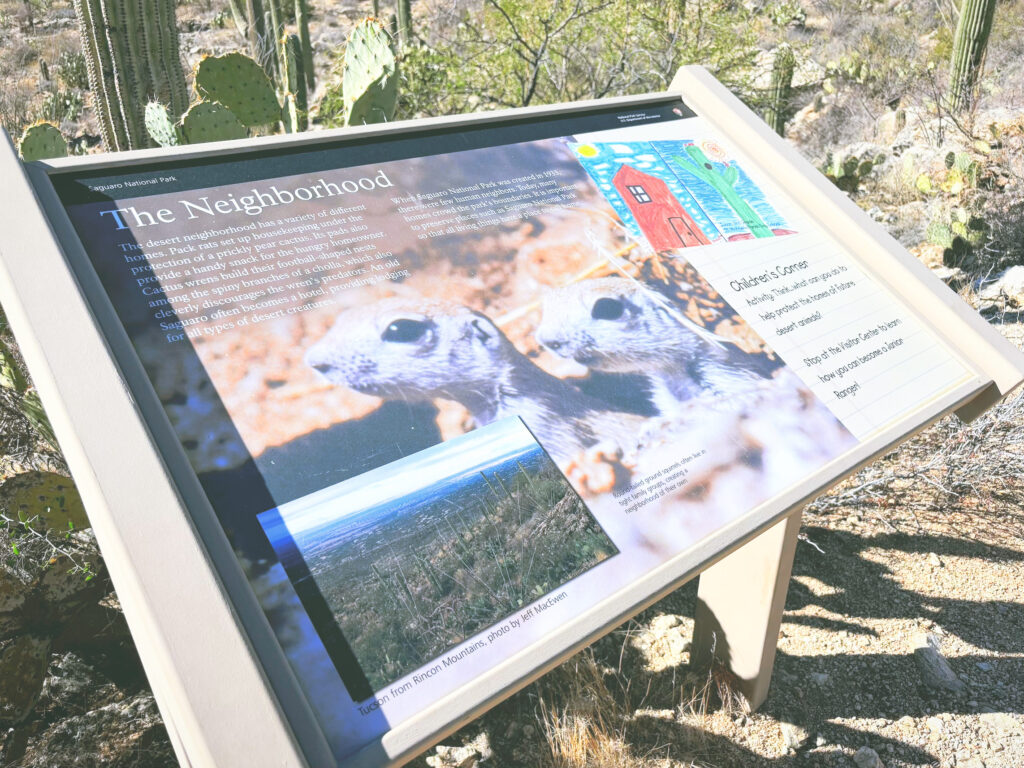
[
  {"x": 780, "y": 90},
  {"x": 132, "y": 57},
  {"x": 724, "y": 182},
  {"x": 969, "y": 43},
  {"x": 370, "y": 75}
]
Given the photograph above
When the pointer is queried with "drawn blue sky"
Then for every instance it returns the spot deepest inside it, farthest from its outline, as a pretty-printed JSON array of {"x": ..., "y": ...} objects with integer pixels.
[
  {"x": 467, "y": 454},
  {"x": 712, "y": 202},
  {"x": 603, "y": 166}
]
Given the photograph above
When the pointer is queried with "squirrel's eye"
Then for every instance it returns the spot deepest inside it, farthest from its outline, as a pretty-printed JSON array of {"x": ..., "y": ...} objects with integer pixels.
[
  {"x": 607, "y": 309},
  {"x": 405, "y": 331}
]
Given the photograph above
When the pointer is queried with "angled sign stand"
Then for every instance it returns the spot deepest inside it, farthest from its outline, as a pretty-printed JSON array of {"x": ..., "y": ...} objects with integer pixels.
[{"x": 376, "y": 426}]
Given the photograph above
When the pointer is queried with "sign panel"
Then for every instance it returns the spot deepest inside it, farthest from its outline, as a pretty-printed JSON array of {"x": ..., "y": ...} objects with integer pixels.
[{"x": 451, "y": 393}]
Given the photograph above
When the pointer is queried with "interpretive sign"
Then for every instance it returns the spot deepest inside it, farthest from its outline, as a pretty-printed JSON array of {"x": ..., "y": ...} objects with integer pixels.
[{"x": 457, "y": 397}]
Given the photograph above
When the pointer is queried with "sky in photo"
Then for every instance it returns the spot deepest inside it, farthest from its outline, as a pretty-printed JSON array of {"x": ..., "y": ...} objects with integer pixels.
[{"x": 470, "y": 453}]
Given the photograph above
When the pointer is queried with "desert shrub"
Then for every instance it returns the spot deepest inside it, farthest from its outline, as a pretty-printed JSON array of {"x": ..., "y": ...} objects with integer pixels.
[
  {"x": 71, "y": 70},
  {"x": 60, "y": 105},
  {"x": 513, "y": 53}
]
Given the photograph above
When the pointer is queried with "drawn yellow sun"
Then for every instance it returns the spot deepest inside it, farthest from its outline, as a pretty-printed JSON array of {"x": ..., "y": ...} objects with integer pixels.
[{"x": 587, "y": 150}]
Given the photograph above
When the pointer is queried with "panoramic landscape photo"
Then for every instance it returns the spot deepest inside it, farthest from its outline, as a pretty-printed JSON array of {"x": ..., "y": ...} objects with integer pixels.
[{"x": 417, "y": 556}]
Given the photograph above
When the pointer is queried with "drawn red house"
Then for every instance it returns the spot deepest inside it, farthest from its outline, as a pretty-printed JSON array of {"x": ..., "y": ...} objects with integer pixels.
[{"x": 662, "y": 218}]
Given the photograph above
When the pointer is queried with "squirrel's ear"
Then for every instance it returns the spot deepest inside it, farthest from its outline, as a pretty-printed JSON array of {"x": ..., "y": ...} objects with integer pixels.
[{"x": 484, "y": 331}]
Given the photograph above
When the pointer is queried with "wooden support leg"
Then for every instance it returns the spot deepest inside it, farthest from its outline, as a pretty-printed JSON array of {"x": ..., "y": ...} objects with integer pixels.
[{"x": 739, "y": 608}]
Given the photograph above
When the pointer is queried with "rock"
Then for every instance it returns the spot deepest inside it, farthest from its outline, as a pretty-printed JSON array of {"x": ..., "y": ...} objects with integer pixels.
[
  {"x": 1009, "y": 285},
  {"x": 934, "y": 724},
  {"x": 665, "y": 622},
  {"x": 889, "y": 125},
  {"x": 1002, "y": 723},
  {"x": 22, "y": 671},
  {"x": 866, "y": 757},
  {"x": 466, "y": 756},
  {"x": 119, "y": 735},
  {"x": 933, "y": 667},
  {"x": 72, "y": 687},
  {"x": 793, "y": 736},
  {"x": 819, "y": 678},
  {"x": 984, "y": 666},
  {"x": 934, "y": 560},
  {"x": 956, "y": 279}
]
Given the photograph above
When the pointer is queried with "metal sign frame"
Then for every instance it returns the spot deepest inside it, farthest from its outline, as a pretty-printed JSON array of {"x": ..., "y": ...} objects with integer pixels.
[{"x": 220, "y": 679}]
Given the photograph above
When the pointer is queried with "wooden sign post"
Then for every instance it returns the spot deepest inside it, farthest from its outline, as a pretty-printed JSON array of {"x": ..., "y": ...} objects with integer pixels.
[{"x": 376, "y": 426}]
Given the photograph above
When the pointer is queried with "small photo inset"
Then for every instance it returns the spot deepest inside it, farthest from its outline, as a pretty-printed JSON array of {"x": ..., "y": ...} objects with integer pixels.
[{"x": 417, "y": 556}]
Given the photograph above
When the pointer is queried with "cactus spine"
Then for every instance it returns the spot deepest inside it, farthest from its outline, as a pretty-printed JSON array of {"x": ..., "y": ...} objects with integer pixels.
[
  {"x": 969, "y": 43},
  {"x": 780, "y": 89},
  {"x": 132, "y": 56}
]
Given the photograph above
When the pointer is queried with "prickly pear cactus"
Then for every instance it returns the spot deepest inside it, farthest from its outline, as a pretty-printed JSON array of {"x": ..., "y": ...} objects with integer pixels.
[
  {"x": 210, "y": 121},
  {"x": 161, "y": 128},
  {"x": 241, "y": 85},
  {"x": 42, "y": 141},
  {"x": 44, "y": 501},
  {"x": 370, "y": 75}
]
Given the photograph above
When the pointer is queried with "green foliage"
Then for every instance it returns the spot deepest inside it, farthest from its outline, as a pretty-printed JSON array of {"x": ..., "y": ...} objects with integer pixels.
[
  {"x": 210, "y": 121},
  {"x": 969, "y": 44},
  {"x": 23, "y": 396},
  {"x": 72, "y": 71},
  {"x": 369, "y": 75},
  {"x": 513, "y": 53},
  {"x": 42, "y": 141},
  {"x": 60, "y": 105},
  {"x": 132, "y": 58},
  {"x": 241, "y": 85}
]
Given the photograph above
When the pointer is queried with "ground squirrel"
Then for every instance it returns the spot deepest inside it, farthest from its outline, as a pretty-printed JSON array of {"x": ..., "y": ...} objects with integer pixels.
[
  {"x": 426, "y": 349},
  {"x": 618, "y": 325}
]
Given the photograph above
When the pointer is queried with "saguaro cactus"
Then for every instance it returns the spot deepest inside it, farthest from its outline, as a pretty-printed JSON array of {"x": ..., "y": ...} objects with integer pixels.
[
  {"x": 296, "y": 103},
  {"x": 969, "y": 43},
  {"x": 780, "y": 90},
  {"x": 405, "y": 22},
  {"x": 132, "y": 56},
  {"x": 302, "y": 23}
]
